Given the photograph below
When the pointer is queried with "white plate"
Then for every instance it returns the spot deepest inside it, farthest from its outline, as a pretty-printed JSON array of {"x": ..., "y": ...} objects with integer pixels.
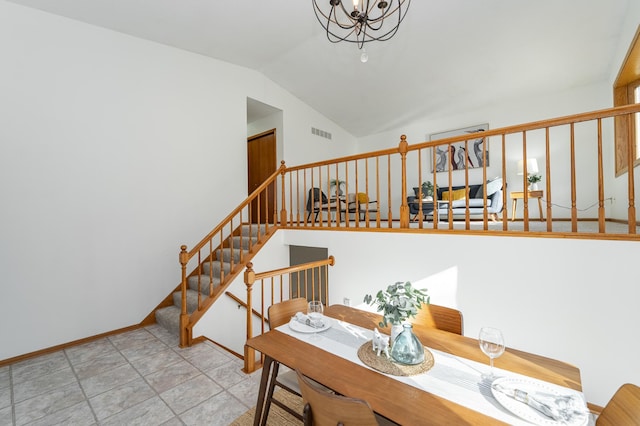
[
  {"x": 530, "y": 414},
  {"x": 303, "y": 328}
]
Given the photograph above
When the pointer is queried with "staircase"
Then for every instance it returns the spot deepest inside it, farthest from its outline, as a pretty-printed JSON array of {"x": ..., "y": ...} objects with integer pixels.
[{"x": 240, "y": 249}]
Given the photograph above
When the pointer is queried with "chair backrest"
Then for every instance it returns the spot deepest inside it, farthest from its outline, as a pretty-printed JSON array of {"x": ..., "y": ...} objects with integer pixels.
[
  {"x": 440, "y": 317},
  {"x": 623, "y": 408},
  {"x": 281, "y": 313},
  {"x": 316, "y": 195},
  {"x": 327, "y": 409}
]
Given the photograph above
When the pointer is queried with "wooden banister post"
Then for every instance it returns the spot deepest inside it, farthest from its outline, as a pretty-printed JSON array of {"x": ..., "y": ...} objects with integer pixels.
[
  {"x": 183, "y": 258},
  {"x": 283, "y": 211},
  {"x": 249, "y": 353},
  {"x": 404, "y": 207}
]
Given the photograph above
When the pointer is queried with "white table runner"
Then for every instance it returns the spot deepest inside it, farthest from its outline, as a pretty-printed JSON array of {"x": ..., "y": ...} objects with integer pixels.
[{"x": 454, "y": 378}]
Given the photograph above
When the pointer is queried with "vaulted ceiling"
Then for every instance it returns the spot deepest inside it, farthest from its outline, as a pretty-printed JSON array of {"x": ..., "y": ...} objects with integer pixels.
[{"x": 447, "y": 53}]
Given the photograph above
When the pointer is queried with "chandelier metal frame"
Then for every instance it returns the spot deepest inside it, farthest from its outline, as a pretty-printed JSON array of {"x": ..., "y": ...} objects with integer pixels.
[{"x": 369, "y": 20}]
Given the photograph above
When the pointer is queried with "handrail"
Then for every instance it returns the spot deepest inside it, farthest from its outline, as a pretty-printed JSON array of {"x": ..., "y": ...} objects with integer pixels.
[
  {"x": 270, "y": 180},
  {"x": 280, "y": 291}
]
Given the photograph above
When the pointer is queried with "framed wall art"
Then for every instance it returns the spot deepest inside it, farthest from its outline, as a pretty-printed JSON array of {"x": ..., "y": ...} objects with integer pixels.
[{"x": 455, "y": 155}]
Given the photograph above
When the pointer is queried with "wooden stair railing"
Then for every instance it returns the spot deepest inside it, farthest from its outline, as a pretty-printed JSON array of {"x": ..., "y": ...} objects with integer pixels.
[
  {"x": 279, "y": 285},
  {"x": 375, "y": 194},
  {"x": 233, "y": 238}
]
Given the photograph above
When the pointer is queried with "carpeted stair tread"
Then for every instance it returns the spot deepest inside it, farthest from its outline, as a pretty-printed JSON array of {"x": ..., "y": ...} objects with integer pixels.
[
  {"x": 169, "y": 318},
  {"x": 228, "y": 253},
  {"x": 253, "y": 230},
  {"x": 192, "y": 300},
  {"x": 215, "y": 266},
  {"x": 244, "y": 242},
  {"x": 192, "y": 283}
]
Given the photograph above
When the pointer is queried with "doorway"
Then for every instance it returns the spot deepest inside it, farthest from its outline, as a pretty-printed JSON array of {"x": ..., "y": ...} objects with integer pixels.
[
  {"x": 308, "y": 285},
  {"x": 261, "y": 161}
]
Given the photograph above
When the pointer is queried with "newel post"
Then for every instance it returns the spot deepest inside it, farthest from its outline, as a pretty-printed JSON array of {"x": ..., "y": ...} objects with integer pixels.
[
  {"x": 404, "y": 206},
  {"x": 249, "y": 353},
  {"x": 283, "y": 211},
  {"x": 185, "y": 339}
]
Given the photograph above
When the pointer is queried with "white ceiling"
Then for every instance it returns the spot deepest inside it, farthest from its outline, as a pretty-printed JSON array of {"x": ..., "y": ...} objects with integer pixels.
[{"x": 445, "y": 50}]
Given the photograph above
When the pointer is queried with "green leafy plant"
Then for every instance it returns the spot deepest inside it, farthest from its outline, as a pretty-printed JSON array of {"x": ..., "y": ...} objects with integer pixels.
[
  {"x": 428, "y": 189},
  {"x": 336, "y": 182},
  {"x": 534, "y": 178},
  {"x": 399, "y": 302}
]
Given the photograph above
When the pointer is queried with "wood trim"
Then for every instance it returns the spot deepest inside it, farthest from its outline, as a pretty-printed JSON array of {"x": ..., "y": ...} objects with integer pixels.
[{"x": 624, "y": 128}]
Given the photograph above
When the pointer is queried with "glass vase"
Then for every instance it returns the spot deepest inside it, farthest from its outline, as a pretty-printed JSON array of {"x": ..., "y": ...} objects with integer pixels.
[{"x": 407, "y": 349}]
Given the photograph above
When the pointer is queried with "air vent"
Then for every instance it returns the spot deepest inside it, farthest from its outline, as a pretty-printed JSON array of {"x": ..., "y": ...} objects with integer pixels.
[{"x": 321, "y": 133}]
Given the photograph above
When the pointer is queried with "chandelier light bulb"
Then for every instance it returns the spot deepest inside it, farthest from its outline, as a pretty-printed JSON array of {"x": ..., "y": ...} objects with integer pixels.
[{"x": 364, "y": 57}]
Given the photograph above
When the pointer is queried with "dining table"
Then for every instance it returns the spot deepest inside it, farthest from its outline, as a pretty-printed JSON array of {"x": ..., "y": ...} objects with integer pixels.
[{"x": 454, "y": 391}]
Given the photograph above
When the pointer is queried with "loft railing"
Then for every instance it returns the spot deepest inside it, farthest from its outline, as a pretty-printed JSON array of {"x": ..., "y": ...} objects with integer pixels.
[
  {"x": 309, "y": 280},
  {"x": 580, "y": 196}
]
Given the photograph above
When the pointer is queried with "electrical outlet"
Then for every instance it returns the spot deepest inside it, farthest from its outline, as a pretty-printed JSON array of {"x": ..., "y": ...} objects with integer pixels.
[{"x": 346, "y": 301}]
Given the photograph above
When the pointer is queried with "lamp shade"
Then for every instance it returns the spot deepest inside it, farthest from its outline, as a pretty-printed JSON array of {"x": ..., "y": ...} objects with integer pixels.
[{"x": 532, "y": 166}]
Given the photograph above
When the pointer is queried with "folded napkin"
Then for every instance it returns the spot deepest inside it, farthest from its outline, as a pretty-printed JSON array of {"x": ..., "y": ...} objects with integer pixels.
[
  {"x": 558, "y": 407},
  {"x": 304, "y": 319}
]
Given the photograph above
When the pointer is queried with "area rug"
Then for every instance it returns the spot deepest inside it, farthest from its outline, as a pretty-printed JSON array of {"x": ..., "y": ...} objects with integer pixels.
[{"x": 277, "y": 416}]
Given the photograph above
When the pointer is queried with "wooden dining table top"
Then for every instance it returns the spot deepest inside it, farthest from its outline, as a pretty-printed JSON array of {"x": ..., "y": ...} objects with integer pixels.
[{"x": 391, "y": 398}]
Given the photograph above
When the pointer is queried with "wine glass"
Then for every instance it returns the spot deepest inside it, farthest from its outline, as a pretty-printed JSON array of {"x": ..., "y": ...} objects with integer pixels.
[
  {"x": 315, "y": 312},
  {"x": 492, "y": 344}
]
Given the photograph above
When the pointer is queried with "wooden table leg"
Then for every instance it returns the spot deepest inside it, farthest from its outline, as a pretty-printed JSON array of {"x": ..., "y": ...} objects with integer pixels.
[
  {"x": 513, "y": 209},
  {"x": 540, "y": 208},
  {"x": 264, "y": 383}
]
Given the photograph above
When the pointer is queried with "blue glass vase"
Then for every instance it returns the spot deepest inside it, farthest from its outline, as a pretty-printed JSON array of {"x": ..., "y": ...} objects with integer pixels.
[{"x": 407, "y": 349}]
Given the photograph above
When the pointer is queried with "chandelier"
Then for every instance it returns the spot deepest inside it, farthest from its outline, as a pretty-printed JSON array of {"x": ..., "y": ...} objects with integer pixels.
[{"x": 368, "y": 20}]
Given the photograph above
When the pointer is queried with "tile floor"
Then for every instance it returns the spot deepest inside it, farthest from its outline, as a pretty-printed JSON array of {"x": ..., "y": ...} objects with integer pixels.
[{"x": 141, "y": 377}]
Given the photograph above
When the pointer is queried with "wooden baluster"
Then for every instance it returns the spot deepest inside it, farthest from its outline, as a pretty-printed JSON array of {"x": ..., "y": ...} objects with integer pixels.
[
  {"x": 467, "y": 216},
  {"x": 346, "y": 193},
  {"x": 183, "y": 258},
  {"x": 357, "y": 215},
  {"x": 450, "y": 204},
  {"x": 574, "y": 210},
  {"x": 505, "y": 225},
  {"x": 548, "y": 179},
  {"x": 378, "y": 191},
  {"x": 211, "y": 269},
  {"x": 525, "y": 182},
  {"x": 601, "y": 210},
  {"x": 436, "y": 206},
  {"x": 404, "y": 207},
  {"x": 420, "y": 196},
  {"x": 630, "y": 178},
  {"x": 249, "y": 353}
]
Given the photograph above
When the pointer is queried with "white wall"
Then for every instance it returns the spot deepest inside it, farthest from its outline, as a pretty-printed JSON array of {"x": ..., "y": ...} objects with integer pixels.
[
  {"x": 115, "y": 151},
  {"x": 568, "y": 299}
]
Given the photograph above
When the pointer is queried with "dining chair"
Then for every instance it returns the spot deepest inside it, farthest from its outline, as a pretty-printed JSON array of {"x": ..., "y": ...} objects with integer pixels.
[
  {"x": 279, "y": 314},
  {"x": 317, "y": 201},
  {"x": 323, "y": 408},
  {"x": 440, "y": 317},
  {"x": 623, "y": 408}
]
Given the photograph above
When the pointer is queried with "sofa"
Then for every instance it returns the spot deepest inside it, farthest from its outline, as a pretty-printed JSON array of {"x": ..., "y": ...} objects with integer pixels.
[{"x": 458, "y": 197}]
